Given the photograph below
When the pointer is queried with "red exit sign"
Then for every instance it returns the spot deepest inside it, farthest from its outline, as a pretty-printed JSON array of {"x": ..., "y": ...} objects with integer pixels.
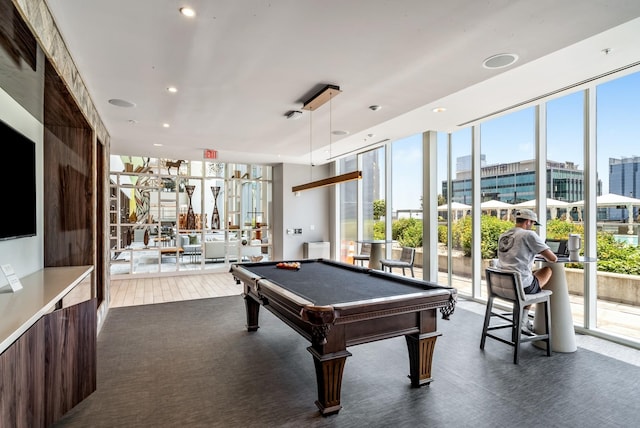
[{"x": 211, "y": 154}]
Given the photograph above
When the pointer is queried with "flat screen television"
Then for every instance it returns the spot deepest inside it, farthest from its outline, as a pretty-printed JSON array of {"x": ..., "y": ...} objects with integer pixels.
[{"x": 18, "y": 218}]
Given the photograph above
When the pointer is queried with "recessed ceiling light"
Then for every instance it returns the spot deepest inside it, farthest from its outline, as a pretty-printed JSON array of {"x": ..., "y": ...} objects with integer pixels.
[
  {"x": 172, "y": 89},
  {"x": 157, "y": 144},
  {"x": 165, "y": 125},
  {"x": 188, "y": 12},
  {"x": 121, "y": 103},
  {"x": 375, "y": 107},
  {"x": 499, "y": 61},
  {"x": 439, "y": 109}
]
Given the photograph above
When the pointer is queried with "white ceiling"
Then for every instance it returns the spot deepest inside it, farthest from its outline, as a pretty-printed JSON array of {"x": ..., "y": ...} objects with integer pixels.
[{"x": 241, "y": 65}]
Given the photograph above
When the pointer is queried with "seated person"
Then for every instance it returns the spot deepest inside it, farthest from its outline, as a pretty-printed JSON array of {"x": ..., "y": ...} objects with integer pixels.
[{"x": 517, "y": 249}]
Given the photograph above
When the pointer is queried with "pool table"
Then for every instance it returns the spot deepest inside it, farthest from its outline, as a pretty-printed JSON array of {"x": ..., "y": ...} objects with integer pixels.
[{"x": 335, "y": 305}]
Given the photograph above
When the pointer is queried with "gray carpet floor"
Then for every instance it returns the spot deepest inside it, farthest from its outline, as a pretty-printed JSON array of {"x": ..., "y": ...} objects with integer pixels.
[{"x": 193, "y": 364}]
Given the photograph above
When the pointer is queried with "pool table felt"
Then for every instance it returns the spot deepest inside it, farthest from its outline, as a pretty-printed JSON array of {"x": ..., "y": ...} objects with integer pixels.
[{"x": 325, "y": 284}]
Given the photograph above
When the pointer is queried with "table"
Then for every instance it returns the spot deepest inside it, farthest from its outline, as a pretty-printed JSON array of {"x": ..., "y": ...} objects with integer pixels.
[
  {"x": 563, "y": 337},
  {"x": 171, "y": 251},
  {"x": 193, "y": 251},
  {"x": 165, "y": 241},
  {"x": 335, "y": 305},
  {"x": 377, "y": 251}
]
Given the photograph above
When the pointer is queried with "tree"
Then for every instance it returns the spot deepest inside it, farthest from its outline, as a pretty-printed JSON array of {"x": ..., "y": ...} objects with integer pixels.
[{"x": 379, "y": 209}]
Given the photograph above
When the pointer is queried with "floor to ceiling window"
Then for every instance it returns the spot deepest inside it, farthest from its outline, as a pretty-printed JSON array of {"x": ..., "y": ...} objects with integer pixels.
[
  {"x": 507, "y": 181},
  {"x": 348, "y": 213},
  {"x": 406, "y": 193},
  {"x": 507, "y": 175},
  {"x": 458, "y": 210},
  {"x": 618, "y": 166},
  {"x": 373, "y": 192},
  {"x": 566, "y": 181}
]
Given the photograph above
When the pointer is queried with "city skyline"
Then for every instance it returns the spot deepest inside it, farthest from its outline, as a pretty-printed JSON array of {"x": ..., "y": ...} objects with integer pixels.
[{"x": 511, "y": 138}]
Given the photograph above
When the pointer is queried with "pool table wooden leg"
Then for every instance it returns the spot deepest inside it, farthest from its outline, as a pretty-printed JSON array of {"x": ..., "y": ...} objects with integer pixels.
[
  {"x": 421, "y": 347},
  {"x": 253, "y": 309},
  {"x": 329, "y": 369}
]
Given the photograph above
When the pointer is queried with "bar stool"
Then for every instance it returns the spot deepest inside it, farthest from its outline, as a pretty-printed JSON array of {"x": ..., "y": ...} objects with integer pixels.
[{"x": 507, "y": 286}]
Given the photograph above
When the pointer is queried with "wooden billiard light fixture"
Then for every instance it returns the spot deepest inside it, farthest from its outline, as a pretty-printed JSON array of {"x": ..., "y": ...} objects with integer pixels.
[{"x": 319, "y": 99}]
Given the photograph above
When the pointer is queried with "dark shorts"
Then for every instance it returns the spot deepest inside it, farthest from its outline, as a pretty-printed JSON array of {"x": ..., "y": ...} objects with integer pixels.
[{"x": 534, "y": 287}]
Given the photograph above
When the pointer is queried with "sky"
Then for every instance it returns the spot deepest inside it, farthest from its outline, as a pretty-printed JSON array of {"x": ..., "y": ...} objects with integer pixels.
[{"x": 511, "y": 138}]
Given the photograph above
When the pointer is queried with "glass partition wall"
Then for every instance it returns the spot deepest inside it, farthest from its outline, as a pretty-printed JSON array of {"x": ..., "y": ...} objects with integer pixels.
[{"x": 496, "y": 172}]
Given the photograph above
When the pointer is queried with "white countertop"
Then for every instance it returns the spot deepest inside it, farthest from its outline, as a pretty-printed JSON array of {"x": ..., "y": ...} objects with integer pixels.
[{"x": 40, "y": 293}]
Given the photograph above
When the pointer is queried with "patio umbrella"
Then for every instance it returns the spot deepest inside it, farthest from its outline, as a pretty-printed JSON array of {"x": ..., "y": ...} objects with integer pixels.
[
  {"x": 552, "y": 204},
  {"x": 497, "y": 206},
  {"x": 613, "y": 200},
  {"x": 456, "y": 207}
]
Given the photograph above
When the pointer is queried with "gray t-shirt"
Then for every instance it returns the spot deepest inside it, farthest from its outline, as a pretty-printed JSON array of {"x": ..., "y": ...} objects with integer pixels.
[{"x": 517, "y": 248}]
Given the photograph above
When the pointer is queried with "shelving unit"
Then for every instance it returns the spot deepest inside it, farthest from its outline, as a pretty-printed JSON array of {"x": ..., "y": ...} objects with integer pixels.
[{"x": 242, "y": 203}]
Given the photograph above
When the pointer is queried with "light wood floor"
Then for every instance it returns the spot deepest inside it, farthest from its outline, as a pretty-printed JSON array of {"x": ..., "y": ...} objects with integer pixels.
[{"x": 147, "y": 291}]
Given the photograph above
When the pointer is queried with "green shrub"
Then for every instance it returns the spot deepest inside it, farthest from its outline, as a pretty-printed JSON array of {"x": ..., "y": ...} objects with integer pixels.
[
  {"x": 490, "y": 229},
  {"x": 613, "y": 256},
  {"x": 560, "y": 229},
  {"x": 442, "y": 233},
  {"x": 412, "y": 235},
  {"x": 617, "y": 257},
  {"x": 379, "y": 230},
  {"x": 407, "y": 231}
]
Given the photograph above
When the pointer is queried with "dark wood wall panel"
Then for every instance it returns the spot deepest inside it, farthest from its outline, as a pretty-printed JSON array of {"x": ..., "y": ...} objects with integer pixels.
[
  {"x": 101, "y": 263},
  {"x": 30, "y": 361},
  {"x": 21, "y": 61},
  {"x": 8, "y": 387},
  {"x": 69, "y": 184},
  {"x": 21, "y": 380},
  {"x": 70, "y": 337}
]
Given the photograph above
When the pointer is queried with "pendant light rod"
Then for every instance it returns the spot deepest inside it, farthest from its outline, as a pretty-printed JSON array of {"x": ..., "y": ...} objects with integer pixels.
[
  {"x": 325, "y": 95},
  {"x": 349, "y": 176}
]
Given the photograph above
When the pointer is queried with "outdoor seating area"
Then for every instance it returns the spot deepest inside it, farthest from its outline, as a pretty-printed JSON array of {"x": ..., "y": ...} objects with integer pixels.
[{"x": 618, "y": 208}]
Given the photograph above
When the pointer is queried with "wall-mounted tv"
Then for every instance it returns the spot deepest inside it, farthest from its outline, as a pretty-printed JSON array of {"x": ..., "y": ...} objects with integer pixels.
[{"x": 18, "y": 218}]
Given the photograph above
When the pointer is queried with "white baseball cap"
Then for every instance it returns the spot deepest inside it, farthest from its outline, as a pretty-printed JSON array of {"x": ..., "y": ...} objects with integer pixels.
[{"x": 528, "y": 215}]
